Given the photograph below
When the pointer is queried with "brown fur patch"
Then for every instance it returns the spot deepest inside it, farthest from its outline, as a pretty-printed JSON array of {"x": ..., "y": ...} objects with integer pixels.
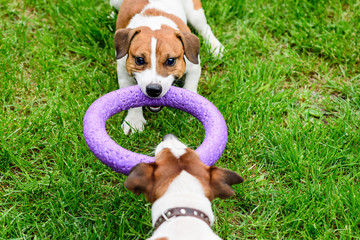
[
  {"x": 140, "y": 46},
  {"x": 169, "y": 46},
  {"x": 122, "y": 40},
  {"x": 127, "y": 10},
  {"x": 197, "y": 4},
  {"x": 191, "y": 45},
  {"x": 153, "y": 179}
]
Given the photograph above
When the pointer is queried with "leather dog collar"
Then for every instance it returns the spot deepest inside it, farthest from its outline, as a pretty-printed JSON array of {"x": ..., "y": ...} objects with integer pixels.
[{"x": 181, "y": 212}]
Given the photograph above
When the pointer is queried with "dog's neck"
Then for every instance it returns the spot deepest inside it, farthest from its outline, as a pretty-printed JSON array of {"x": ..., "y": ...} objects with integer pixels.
[{"x": 184, "y": 191}]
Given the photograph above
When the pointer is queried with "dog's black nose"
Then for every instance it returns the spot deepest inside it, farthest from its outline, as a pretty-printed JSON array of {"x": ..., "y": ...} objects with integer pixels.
[{"x": 153, "y": 90}]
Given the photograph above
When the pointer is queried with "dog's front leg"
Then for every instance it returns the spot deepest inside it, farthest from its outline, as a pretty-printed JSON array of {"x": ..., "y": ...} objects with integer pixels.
[
  {"x": 192, "y": 75},
  {"x": 134, "y": 120},
  {"x": 196, "y": 16}
]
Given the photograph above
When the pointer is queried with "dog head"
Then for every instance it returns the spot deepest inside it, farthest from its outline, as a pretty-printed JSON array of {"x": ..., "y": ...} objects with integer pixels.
[
  {"x": 155, "y": 58},
  {"x": 173, "y": 158}
]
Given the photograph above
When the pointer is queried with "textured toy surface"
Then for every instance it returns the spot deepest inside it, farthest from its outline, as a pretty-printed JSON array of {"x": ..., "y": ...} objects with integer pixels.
[{"x": 122, "y": 160}]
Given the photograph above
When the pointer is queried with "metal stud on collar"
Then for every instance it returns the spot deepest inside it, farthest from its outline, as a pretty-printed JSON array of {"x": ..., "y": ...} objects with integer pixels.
[{"x": 181, "y": 212}]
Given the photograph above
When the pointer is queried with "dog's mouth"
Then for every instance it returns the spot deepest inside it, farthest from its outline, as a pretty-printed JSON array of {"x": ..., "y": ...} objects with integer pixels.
[{"x": 155, "y": 109}]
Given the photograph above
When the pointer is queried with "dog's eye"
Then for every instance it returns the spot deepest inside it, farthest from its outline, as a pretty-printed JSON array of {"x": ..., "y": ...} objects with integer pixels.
[
  {"x": 139, "y": 61},
  {"x": 170, "y": 62}
]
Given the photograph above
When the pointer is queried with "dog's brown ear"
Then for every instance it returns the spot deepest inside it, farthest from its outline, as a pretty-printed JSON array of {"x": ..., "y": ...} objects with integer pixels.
[
  {"x": 122, "y": 40},
  {"x": 140, "y": 178},
  {"x": 191, "y": 44},
  {"x": 221, "y": 181}
]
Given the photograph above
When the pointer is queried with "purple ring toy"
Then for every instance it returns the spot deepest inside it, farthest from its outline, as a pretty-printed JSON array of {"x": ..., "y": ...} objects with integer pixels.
[{"x": 122, "y": 160}]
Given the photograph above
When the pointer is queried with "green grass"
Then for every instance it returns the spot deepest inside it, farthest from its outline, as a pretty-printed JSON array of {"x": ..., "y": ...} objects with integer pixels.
[{"x": 288, "y": 87}]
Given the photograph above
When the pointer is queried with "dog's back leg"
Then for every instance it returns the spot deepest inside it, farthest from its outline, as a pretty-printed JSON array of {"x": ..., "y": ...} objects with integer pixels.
[
  {"x": 116, "y": 4},
  {"x": 195, "y": 15}
]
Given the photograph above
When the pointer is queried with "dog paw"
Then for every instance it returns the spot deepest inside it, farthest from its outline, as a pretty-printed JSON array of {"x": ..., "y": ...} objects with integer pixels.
[
  {"x": 218, "y": 50},
  {"x": 133, "y": 124}
]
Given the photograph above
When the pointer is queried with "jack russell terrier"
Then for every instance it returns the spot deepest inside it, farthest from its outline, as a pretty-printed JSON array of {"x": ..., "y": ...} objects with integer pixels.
[
  {"x": 155, "y": 47},
  {"x": 181, "y": 188}
]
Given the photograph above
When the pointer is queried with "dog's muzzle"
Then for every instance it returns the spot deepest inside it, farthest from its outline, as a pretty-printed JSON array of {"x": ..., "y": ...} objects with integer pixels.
[{"x": 154, "y": 90}]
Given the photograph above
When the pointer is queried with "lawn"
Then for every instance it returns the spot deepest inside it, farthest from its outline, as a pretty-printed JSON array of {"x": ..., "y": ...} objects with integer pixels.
[{"x": 288, "y": 87}]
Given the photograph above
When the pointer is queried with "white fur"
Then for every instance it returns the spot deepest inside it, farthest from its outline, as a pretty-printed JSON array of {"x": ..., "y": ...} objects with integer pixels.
[
  {"x": 184, "y": 9},
  {"x": 184, "y": 191},
  {"x": 148, "y": 76},
  {"x": 193, "y": 72},
  {"x": 153, "y": 54},
  {"x": 134, "y": 120},
  {"x": 153, "y": 22},
  {"x": 198, "y": 20},
  {"x": 116, "y": 4},
  {"x": 176, "y": 147},
  {"x": 171, "y": 7}
]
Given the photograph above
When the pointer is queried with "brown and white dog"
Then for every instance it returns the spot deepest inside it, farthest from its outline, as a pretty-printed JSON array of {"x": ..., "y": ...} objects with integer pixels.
[
  {"x": 181, "y": 188},
  {"x": 154, "y": 48}
]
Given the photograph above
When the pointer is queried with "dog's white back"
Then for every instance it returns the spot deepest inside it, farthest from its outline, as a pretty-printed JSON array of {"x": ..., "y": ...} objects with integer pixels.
[{"x": 185, "y": 191}]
